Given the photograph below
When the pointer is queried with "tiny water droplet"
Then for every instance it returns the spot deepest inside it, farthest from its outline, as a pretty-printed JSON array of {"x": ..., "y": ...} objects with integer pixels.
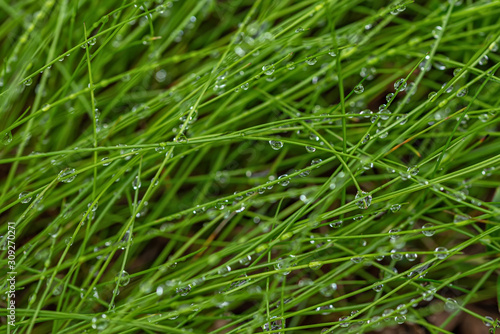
[{"x": 28, "y": 82}]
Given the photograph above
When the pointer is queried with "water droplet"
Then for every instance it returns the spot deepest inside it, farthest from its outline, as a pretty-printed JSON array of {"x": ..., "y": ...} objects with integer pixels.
[
  {"x": 400, "y": 319},
  {"x": 363, "y": 200},
  {"x": 275, "y": 144},
  {"x": 328, "y": 290},
  {"x": 183, "y": 291},
  {"x": 447, "y": 90},
  {"x": 396, "y": 256},
  {"x": 400, "y": 85},
  {"x": 245, "y": 260},
  {"x": 431, "y": 95},
  {"x": 366, "y": 113},
  {"x": 28, "y": 82},
  {"x": 311, "y": 61},
  {"x": 413, "y": 170},
  {"x": 100, "y": 322},
  {"x": 395, "y": 207},
  {"x": 357, "y": 259},
  {"x": 67, "y": 175},
  {"x": 315, "y": 264},
  {"x": 106, "y": 163},
  {"x": 483, "y": 60},
  {"x": 343, "y": 322},
  {"x": 122, "y": 278},
  {"x": 68, "y": 241},
  {"x": 136, "y": 184},
  {"x": 441, "y": 253},
  {"x": 378, "y": 288},
  {"x": 336, "y": 224},
  {"x": 181, "y": 138},
  {"x": 462, "y": 92},
  {"x": 310, "y": 149},
  {"x": 461, "y": 218},
  {"x": 359, "y": 89},
  {"x": 450, "y": 305},
  {"x": 436, "y": 32},
  {"x": 411, "y": 256},
  {"x": 488, "y": 321},
  {"x": 268, "y": 69},
  {"x": 245, "y": 86},
  {"x": 428, "y": 233},
  {"x": 299, "y": 29},
  {"x": 7, "y": 138},
  {"x": 389, "y": 97},
  {"x": 285, "y": 180},
  {"x": 315, "y": 162},
  {"x": 366, "y": 139},
  {"x": 25, "y": 200},
  {"x": 224, "y": 270}
]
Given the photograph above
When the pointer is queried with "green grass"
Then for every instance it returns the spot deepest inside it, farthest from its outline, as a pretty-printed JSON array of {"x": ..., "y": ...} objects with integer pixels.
[{"x": 223, "y": 166}]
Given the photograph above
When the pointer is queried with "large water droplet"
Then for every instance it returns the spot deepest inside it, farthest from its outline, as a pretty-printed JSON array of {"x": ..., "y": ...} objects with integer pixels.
[
  {"x": 268, "y": 69},
  {"x": 122, "y": 278},
  {"x": 285, "y": 180},
  {"x": 25, "y": 200},
  {"x": 67, "y": 175},
  {"x": 400, "y": 85},
  {"x": 441, "y": 253},
  {"x": 136, "y": 184},
  {"x": 275, "y": 144},
  {"x": 363, "y": 200},
  {"x": 100, "y": 323},
  {"x": 359, "y": 89},
  {"x": 7, "y": 138},
  {"x": 311, "y": 61},
  {"x": 428, "y": 233}
]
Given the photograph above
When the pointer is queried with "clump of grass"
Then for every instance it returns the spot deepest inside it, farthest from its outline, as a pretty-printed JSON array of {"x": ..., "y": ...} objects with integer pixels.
[{"x": 237, "y": 167}]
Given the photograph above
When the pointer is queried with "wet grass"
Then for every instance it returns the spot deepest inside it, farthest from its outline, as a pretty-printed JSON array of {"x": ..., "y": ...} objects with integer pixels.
[{"x": 250, "y": 166}]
